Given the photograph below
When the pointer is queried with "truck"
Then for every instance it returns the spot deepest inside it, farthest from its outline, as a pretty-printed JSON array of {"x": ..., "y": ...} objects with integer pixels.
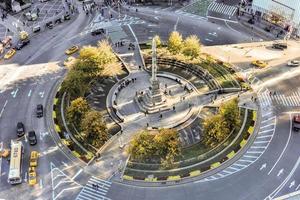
[{"x": 296, "y": 122}]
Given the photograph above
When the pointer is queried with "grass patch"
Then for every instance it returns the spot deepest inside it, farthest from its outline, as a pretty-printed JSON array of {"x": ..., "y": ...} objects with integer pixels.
[
  {"x": 55, "y": 101},
  {"x": 254, "y": 115},
  {"x": 76, "y": 154}
]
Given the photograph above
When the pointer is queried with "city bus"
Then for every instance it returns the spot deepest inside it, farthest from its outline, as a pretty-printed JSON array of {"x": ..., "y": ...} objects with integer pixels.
[{"x": 15, "y": 168}]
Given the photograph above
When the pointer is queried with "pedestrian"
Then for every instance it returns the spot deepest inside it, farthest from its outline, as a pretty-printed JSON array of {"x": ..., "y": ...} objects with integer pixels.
[
  {"x": 251, "y": 98},
  {"x": 161, "y": 116}
]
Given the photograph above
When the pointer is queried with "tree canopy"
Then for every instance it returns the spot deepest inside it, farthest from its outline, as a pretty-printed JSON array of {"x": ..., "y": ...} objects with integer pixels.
[
  {"x": 192, "y": 46},
  {"x": 218, "y": 127},
  {"x": 163, "y": 147},
  {"x": 93, "y": 129},
  {"x": 77, "y": 110},
  {"x": 175, "y": 42}
]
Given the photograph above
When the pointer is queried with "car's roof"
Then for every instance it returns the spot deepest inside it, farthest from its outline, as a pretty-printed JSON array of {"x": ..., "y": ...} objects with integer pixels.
[
  {"x": 297, "y": 118},
  {"x": 31, "y": 133}
]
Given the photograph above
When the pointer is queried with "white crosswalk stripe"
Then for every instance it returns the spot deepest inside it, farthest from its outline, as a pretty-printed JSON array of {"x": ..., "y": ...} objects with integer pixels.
[
  {"x": 222, "y": 8},
  {"x": 94, "y": 189},
  {"x": 292, "y": 100}
]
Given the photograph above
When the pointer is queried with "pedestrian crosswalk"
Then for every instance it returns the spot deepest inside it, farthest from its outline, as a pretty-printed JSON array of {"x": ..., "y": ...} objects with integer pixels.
[
  {"x": 95, "y": 189},
  {"x": 267, "y": 98},
  {"x": 222, "y": 8}
]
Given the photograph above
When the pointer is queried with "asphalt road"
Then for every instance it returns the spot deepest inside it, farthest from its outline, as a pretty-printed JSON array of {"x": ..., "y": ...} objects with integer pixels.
[{"x": 274, "y": 173}]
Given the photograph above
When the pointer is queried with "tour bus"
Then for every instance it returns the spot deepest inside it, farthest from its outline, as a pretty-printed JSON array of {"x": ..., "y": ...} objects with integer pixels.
[{"x": 15, "y": 168}]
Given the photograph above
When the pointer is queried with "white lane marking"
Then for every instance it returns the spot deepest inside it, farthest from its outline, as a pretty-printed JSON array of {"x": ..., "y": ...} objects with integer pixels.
[
  {"x": 1, "y": 147},
  {"x": 3, "y": 108},
  {"x": 297, "y": 188},
  {"x": 42, "y": 94},
  {"x": 14, "y": 93},
  {"x": 25, "y": 178},
  {"x": 286, "y": 145},
  {"x": 262, "y": 127},
  {"x": 263, "y": 166},
  {"x": 269, "y": 130},
  {"x": 41, "y": 183},
  {"x": 268, "y": 119},
  {"x": 280, "y": 172},
  {"x": 292, "y": 184},
  {"x": 264, "y": 136},
  {"x": 29, "y": 93},
  {"x": 76, "y": 174}
]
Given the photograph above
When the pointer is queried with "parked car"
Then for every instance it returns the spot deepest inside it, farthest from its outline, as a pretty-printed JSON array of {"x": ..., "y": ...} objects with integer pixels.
[
  {"x": 72, "y": 50},
  {"x": 98, "y": 31},
  {"x": 7, "y": 42},
  {"x": 31, "y": 16},
  {"x": 10, "y": 54},
  {"x": 34, "y": 155},
  {"x": 293, "y": 63},
  {"x": 32, "y": 138},
  {"x": 280, "y": 46},
  {"x": 259, "y": 63},
  {"x": 32, "y": 176},
  {"x": 4, "y": 153},
  {"x": 20, "y": 129},
  {"x": 39, "y": 110},
  {"x": 22, "y": 43},
  {"x": 36, "y": 29}
]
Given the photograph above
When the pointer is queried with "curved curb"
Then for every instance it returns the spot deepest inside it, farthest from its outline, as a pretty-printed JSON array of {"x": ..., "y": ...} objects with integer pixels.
[
  {"x": 54, "y": 128},
  {"x": 197, "y": 174}
]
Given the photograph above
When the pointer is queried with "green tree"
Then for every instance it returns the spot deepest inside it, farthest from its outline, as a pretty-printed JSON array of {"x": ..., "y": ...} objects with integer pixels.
[
  {"x": 192, "y": 46},
  {"x": 93, "y": 129},
  {"x": 157, "y": 40},
  {"x": 75, "y": 83},
  {"x": 162, "y": 147},
  {"x": 77, "y": 110},
  {"x": 175, "y": 43},
  {"x": 105, "y": 53},
  {"x": 231, "y": 114},
  {"x": 215, "y": 130}
]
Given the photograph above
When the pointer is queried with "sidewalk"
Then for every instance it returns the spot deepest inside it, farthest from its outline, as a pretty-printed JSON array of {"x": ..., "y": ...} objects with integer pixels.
[{"x": 259, "y": 27}]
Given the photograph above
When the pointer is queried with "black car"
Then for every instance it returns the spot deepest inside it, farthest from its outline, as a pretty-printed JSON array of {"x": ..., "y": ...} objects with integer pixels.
[
  {"x": 39, "y": 110},
  {"x": 251, "y": 21},
  {"x": 20, "y": 129},
  {"x": 49, "y": 25},
  {"x": 98, "y": 31},
  {"x": 32, "y": 138},
  {"x": 67, "y": 17},
  {"x": 22, "y": 43},
  {"x": 280, "y": 46}
]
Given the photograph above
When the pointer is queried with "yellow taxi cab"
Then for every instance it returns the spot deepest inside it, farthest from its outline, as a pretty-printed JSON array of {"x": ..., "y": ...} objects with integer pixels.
[
  {"x": 32, "y": 176},
  {"x": 4, "y": 153},
  {"x": 10, "y": 54},
  {"x": 259, "y": 63},
  {"x": 33, "y": 159},
  {"x": 72, "y": 50},
  {"x": 69, "y": 61}
]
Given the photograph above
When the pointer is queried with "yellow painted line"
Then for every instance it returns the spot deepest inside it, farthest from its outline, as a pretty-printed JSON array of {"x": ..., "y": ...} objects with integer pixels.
[
  {"x": 57, "y": 128},
  {"x": 254, "y": 116},
  {"x": 127, "y": 177},
  {"x": 173, "y": 178},
  {"x": 251, "y": 129},
  {"x": 53, "y": 114},
  {"x": 230, "y": 155},
  {"x": 243, "y": 143},
  {"x": 55, "y": 101},
  {"x": 195, "y": 173},
  {"x": 215, "y": 165}
]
